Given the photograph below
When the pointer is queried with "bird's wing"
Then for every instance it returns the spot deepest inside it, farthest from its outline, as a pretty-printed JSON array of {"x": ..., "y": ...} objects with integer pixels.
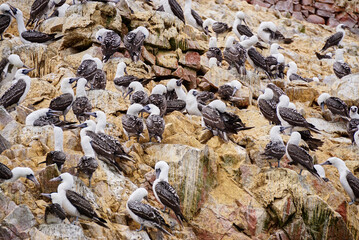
[
  {"x": 5, "y": 21},
  {"x": 37, "y": 37},
  {"x": 197, "y": 17},
  {"x": 5, "y": 172},
  {"x": 81, "y": 204},
  {"x": 167, "y": 195},
  {"x": 244, "y": 30},
  {"x": 61, "y": 102},
  {"x": 300, "y": 156},
  {"x": 353, "y": 183},
  {"x": 146, "y": 212},
  {"x": 212, "y": 118},
  {"x": 177, "y": 10},
  {"x": 13, "y": 94}
]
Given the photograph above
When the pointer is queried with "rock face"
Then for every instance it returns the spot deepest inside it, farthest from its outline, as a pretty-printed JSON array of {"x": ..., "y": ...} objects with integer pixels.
[{"x": 226, "y": 189}]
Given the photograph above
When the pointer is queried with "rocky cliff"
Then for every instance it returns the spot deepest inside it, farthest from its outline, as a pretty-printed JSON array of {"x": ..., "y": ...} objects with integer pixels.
[{"x": 227, "y": 190}]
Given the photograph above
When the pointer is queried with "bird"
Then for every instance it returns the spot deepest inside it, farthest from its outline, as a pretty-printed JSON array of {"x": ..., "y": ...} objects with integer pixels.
[
  {"x": 335, "y": 105},
  {"x": 17, "y": 92},
  {"x": 40, "y": 9},
  {"x": 218, "y": 27},
  {"x": 212, "y": 62},
  {"x": 88, "y": 163},
  {"x": 340, "y": 68},
  {"x": 143, "y": 213},
  {"x": 137, "y": 93},
  {"x": 192, "y": 17},
  {"x": 277, "y": 91},
  {"x": 88, "y": 67},
  {"x": 269, "y": 33},
  {"x": 280, "y": 61},
  {"x": 7, "y": 175},
  {"x": 275, "y": 149},
  {"x": 172, "y": 7},
  {"x": 323, "y": 56},
  {"x": 258, "y": 62},
  {"x": 46, "y": 116},
  {"x": 321, "y": 172},
  {"x": 352, "y": 125},
  {"x": 347, "y": 179},
  {"x": 110, "y": 42},
  {"x": 60, "y": 9},
  {"x": 192, "y": 105},
  {"x": 290, "y": 117},
  {"x": 158, "y": 98},
  {"x": 335, "y": 39},
  {"x": 134, "y": 40},
  {"x": 292, "y": 73},
  {"x": 165, "y": 193},
  {"x": 64, "y": 102},
  {"x": 8, "y": 67},
  {"x": 228, "y": 91},
  {"x": 268, "y": 106},
  {"x": 121, "y": 80},
  {"x": 133, "y": 125},
  {"x": 81, "y": 103},
  {"x": 241, "y": 29},
  {"x": 299, "y": 156},
  {"x": 176, "y": 96},
  {"x": 54, "y": 213},
  {"x": 5, "y": 18},
  {"x": 154, "y": 122},
  {"x": 57, "y": 156},
  {"x": 214, "y": 51},
  {"x": 235, "y": 55},
  {"x": 32, "y": 36},
  {"x": 73, "y": 203},
  {"x": 220, "y": 122}
]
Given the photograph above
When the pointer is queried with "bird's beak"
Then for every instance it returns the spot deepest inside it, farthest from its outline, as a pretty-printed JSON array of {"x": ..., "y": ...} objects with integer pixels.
[
  {"x": 245, "y": 22},
  {"x": 90, "y": 114},
  {"x": 26, "y": 71},
  {"x": 287, "y": 65},
  {"x": 48, "y": 195},
  {"x": 13, "y": 9},
  {"x": 11, "y": 14},
  {"x": 146, "y": 198},
  {"x": 144, "y": 110},
  {"x": 125, "y": 70},
  {"x": 82, "y": 125},
  {"x": 56, "y": 179},
  {"x": 279, "y": 47},
  {"x": 72, "y": 80},
  {"x": 179, "y": 82},
  {"x": 24, "y": 66},
  {"x": 54, "y": 113},
  {"x": 33, "y": 179},
  {"x": 128, "y": 92},
  {"x": 282, "y": 129},
  {"x": 322, "y": 106},
  {"x": 325, "y": 163},
  {"x": 158, "y": 172}
]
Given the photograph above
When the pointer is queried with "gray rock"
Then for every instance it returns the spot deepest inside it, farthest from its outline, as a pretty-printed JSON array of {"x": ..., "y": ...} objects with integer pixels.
[
  {"x": 101, "y": 98},
  {"x": 4, "y": 144},
  {"x": 62, "y": 231},
  {"x": 11, "y": 132},
  {"x": 5, "y": 117},
  {"x": 329, "y": 127},
  {"x": 6, "y": 205},
  {"x": 19, "y": 221},
  {"x": 347, "y": 89}
]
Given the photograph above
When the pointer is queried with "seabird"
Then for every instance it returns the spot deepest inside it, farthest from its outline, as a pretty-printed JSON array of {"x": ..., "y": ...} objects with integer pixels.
[
  {"x": 88, "y": 163},
  {"x": 292, "y": 73},
  {"x": 268, "y": 106},
  {"x": 192, "y": 103},
  {"x": 321, "y": 172},
  {"x": 235, "y": 55},
  {"x": 60, "y": 11},
  {"x": 275, "y": 149},
  {"x": 158, "y": 98},
  {"x": 220, "y": 122},
  {"x": 73, "y": 203},
  {"x": 7, "y": 175},
  {"x": 110, "y": 42},
  {"x": 5, "y": 18},
  {"x": 280, "y": 62},
  {"x": 258, "y": 62},
  {"x": 313, "y": 143},
  {"x": 57, "y": 156},
  {"x": 214, "y": 51},
  {"x": 217, "y": 27},
  {"x": 299, "y": 156},
  {"x": 228, "y": 91},
  {"x": 137, "y": 93},
  {"x": 192, "y": 17},
  {"x": 32, "y": 36},
  {"x": 145, "y": 214},
  {"x": 323, "y": 56},
  {"x": 165, "y": 193},
  {"x": 155, "y": 122},
  {"x": 63, "y": 102},
  {"x": 18, "y": 90},
  {"x": 241, "y": 29},
  {"x": 121, "y": 80},
  {"x": 340, "y": 68},
  {"x": 99, "y": 80},
  {"x": 40, "y": 9},
  {"x": 54, "y": 214},
  {"x": 335, "y": 39},
  {"x": 46, "y": 116},
  {"x": 212, "y": 62},
  {"x": 289, "y": 117},
  {"x": 335, "y": 105},
  {"x": 176, "y": 97},
  {"x": 8, "y": 67},
  {"x": 81, "y": 104},
  {"x": 88, "y": 67},
  {"x": 268, "y": 32},
  {"x": 172, "y": 7},
  {"x": 135, "y": 39},
  {"x": 352, "y": 125},
  {"x": 277, "y": 91},
  {"x": 133, "y": 125},
  {"x": 349, "y": 182}
]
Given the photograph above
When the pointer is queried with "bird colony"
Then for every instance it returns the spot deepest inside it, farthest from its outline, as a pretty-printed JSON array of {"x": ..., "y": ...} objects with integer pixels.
[{"x": 175, "y": 120}]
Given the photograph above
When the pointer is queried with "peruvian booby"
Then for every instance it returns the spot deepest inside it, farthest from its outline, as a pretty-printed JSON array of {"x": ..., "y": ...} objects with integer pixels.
[
  {"x": 172, "y": 7},
  {"x": 176, "y": 97},
  {"x": 268, "y": 106},
  {"x": 110, "y": 42},
  {"x": 352, "y": 125},
  {"x": 192, "y": 17},
  {"x": 312, "y": 142},
  {"x": 277, "y": 91},
  {"x": 88, "y": 67},
  {"x": 32, "y": 36},
  {"x": 64, "y": 102},
  {"x": 8, "y": 67},
  {"x": 165, "y": 193},
  {"x": 135, "y": 39},
  {"x": 321, "y": 172},
  {"x": 212, "y": 62},
  {"x": 192, "y": 103},
  {"x": 258, "y": 62},
  {"x": 214, "y": 51},
  {"x": 145, "y": 214},
  {"x": 280, "y": 61},
  {"x": 121, "y": 80},
  {"x": 292, "y": 73},
  {"x": 220, "y": 122},
  {"x": 81, "y": 104},
  {"x": 217, "y": 27},
  {"x": 46, "y": 116},
  {"x": 347, "y": 179},
  {"x": 268, "y": 32},
  {"x": 299, "y": 156},
  {"x": 57, "y": 156},
  {"x": 158, "y": 98},
  {"x": 133, "y": 125},
  {"x": 323, "y": 56},
  {"x": 60, "y": 11},
  {"x": 40, "y": 9},
  {"x": 54, "y": 213},
  {"x": 18, "y": 90},
  {"x": 5, "y": 18},
  {"x": 137, "y": 93},
  {"x": 73, "y": 203},
  {"x": 235, "y": 55},
  {"x": 290, "y": 117},
  {"x": 340, "y": 68},
  {"x": 99, "y": 80},
  {"x": 275, "y": 149},
  {"x": 228, "y": 91},
  {"x": 335, "y": 39},
  {"x": 155, "y": 123},
  {"x": 88, "y": 163},
  {"x": 241, "y": 29},
  {"x": 7, "y": 175},
  {"x": 335, "y": 105}
]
